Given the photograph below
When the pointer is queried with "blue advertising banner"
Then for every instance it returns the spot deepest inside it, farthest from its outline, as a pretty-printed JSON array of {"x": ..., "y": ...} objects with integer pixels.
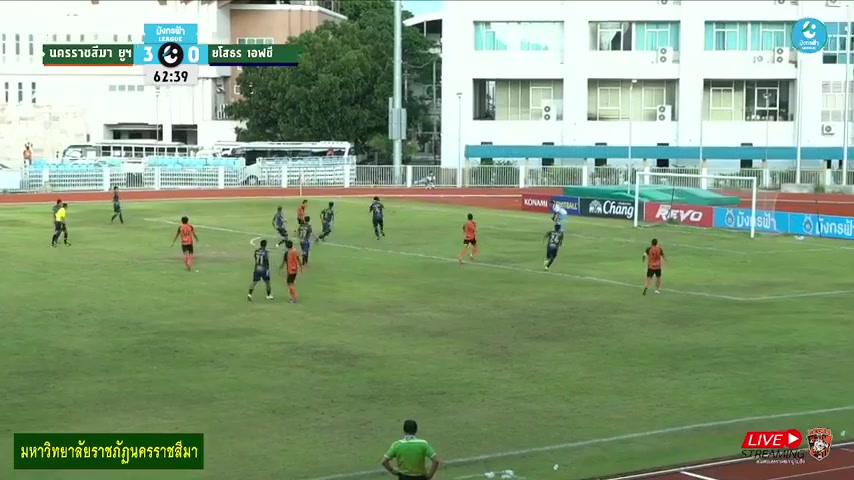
[
  {"x": 572, "y": 205},
  {"x": 826, "y": 226},
  {"x": 806, "y": 224},
  {"x": 739, "y": 219}
]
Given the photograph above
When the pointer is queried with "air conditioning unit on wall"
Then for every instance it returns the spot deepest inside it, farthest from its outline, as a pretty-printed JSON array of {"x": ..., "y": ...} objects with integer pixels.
[
  {"x": 828, "y": 129},
  {"x": 781, "y": 55},
  {"x": 549, "y": 112},
  {"x": 664, "y": 113},
  {"x": 664, "y": 55}
]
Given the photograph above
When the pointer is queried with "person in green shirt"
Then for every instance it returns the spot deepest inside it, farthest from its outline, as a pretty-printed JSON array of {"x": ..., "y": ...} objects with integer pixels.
[{"x": 410, "y": 456}]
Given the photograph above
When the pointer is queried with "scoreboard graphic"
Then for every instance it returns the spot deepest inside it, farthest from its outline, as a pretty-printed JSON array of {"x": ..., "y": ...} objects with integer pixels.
[{"x": 170, "y": 55}]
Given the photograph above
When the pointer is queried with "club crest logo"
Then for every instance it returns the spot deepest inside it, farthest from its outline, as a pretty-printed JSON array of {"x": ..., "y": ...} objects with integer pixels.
[
  {"x": 808, "y": 225},
  {"x": 820, "y": 440},
  {"x": 729, "y": 219}
]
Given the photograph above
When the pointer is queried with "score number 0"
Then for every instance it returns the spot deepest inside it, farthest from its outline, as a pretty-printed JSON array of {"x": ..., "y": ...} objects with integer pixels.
[{"x": 192, "y": 54}]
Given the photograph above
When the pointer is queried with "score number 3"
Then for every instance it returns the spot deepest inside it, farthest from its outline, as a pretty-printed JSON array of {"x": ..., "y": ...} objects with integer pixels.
[{"x": 192, "y": 54}]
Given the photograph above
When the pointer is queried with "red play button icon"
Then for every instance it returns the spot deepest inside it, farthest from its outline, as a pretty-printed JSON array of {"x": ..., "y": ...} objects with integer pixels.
[{"x": 794, "y": 439}]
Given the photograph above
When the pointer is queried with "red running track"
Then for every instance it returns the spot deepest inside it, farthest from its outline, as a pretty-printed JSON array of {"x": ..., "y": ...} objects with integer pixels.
[{"x": 838, "y": 466}]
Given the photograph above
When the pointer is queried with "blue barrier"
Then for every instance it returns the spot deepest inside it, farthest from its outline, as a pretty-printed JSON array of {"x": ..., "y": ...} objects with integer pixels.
[{"x": 807, "y": 224}]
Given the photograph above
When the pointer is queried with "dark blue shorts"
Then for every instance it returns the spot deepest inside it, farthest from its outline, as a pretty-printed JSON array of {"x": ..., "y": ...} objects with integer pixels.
[
  {"x": 117, "y": 208},
  {"x": 305, "y": 246},
  {"x": 57, "y": 226},
  {"x": 378, "y": 221},
  {"x": 551, "y": 252},
  {"x": 282, "y": 232},
  {"x": 327, "y": 227},
  {"x": 261, "y": 275}
]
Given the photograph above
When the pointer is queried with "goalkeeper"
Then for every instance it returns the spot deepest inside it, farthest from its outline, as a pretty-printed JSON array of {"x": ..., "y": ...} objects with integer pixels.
[{"x": 559, "y": 214}]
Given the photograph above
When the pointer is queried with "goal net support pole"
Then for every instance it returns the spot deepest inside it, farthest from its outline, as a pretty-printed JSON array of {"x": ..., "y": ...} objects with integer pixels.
[{"x": 705, "y": 182}]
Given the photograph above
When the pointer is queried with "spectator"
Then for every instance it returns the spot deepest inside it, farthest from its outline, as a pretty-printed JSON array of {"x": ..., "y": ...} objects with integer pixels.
[
  {"x": 28, "y": 154},
  {"x": 430, "y": 181}
]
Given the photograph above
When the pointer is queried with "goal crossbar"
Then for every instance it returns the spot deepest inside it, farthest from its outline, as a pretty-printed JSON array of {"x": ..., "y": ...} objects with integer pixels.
[{"x": 642, "y": 178}]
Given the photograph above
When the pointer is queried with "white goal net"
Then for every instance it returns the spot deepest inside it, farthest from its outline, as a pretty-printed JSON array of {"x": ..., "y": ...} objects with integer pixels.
[{"x": 706, "y": 201}]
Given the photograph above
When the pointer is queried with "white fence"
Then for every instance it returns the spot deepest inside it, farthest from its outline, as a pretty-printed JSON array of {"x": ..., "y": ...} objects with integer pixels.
[{"x": 163, "y": 178}]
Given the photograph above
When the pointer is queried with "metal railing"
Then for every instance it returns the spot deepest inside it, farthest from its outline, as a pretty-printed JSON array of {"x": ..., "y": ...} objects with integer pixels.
[{"x": 350, "y": 175}]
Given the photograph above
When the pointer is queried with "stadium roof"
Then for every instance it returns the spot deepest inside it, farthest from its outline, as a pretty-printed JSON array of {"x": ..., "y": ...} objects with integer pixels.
[{"x": 424, "y": 18}]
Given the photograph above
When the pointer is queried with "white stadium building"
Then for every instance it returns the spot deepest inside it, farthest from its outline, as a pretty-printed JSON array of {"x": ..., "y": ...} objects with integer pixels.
[
  {"x": 52, "y": 107},
  {"x": 644, "y": 72}
]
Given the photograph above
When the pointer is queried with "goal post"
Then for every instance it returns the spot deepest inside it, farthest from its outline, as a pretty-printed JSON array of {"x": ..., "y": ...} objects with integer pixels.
[{"x": 679, "y": 198}]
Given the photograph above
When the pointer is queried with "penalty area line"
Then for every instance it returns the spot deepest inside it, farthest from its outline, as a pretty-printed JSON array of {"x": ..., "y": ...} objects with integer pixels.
[{"x": 476, "y": 264}]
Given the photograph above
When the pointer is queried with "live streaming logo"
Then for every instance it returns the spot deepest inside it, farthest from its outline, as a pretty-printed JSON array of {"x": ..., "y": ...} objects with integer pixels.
[{"x": 772, "y": 440}]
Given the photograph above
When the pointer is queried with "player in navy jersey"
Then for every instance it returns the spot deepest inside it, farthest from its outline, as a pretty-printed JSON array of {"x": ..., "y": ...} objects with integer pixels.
[
  {"x": 281, "y": 225},
  {"x": 554, "y": 240},
  {"x": 117, "y": 206},
  {"x": 261, "y": 271},
  {"x": 327, "y": 216},
  {"x": 305, "y": 236},
  {"x": 376, "y": 210}
]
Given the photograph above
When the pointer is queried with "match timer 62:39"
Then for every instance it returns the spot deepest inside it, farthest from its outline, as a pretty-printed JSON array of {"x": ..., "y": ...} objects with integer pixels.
[{"x": 173, "y": 68}]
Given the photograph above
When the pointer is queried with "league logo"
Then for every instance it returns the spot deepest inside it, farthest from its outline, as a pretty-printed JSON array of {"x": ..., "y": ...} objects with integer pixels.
[
  {"x": 809, "y": 35},
  {"x": 170, "y": 55},
  {"x": 820, "y": 440}
]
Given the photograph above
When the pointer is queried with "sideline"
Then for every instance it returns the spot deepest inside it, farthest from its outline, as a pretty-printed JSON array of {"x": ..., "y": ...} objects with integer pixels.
[{"x": 618, "y": 438}]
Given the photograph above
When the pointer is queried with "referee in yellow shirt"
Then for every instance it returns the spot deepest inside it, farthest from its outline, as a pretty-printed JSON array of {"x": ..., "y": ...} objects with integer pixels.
[
  {"x": 59, "y": 227},
  {"x": 410, "y": 456}
]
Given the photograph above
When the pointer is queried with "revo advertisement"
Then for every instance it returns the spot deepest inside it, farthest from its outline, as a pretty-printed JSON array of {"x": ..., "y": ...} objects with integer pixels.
[
  {"x": 536, "y": 203},
  {"x": 595, "y": 207},
  {"x": 693, "y": 215}
]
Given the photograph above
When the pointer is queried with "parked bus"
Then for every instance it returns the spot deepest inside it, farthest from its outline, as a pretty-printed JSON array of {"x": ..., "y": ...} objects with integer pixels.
[
  {"x": 260, "y": 156},
  {"x": 130, "y": 149}
]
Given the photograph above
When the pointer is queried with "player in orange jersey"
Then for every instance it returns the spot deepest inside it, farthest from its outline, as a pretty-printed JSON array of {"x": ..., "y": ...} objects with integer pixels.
[
  {"x": 469, "y": 239},
  {"x": 188, "y": 239},
  {"x": 294, "y": 265},
  {"x": 301, "y": 212},
  {"x": 653, "y": 256}
]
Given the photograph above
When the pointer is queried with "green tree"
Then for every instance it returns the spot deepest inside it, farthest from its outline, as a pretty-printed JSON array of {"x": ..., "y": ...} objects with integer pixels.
[{"x": 341, "y": 87}]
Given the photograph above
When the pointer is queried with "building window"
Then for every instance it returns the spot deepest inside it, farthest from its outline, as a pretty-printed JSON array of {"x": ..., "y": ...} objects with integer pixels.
[
  {"x": 31, "y": 49},
  {"x": 838, "y": 43},
  {"x": 726, "y": 36},
  {"x": 767, "y": 100},
  {"x": 236, "y": 88},
  {"x": 17, "y": 44},
  {"x": 54, "y": 38},
  {"x": 518, "y": 36},
  {"x": 6, "y": 92},
  {"x": 3, "y": 46},
  {"x": 33, "y": 92},
  {"x": 68, "y": 38},
  {"x": 123, "y": 88},
  {"x": 255, "y": 41},
  {"x": 82, "y": 38},
  {"x": 610, "y": 36},
  {"x": 516, "y": 100},
  {"x": 652, "y": 36},
  {"x": 722, "y": 100},
  {"x": 612, "y": 100},
  {"x": 20, "y": 92},
  {"x": 833, "y": 100},
  {"x": 111, "y": 88},
  {"x": 769, "y": 36},
  {"x": 115, "y": 39}
]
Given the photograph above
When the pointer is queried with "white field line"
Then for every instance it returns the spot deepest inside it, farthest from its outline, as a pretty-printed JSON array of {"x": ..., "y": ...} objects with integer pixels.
[
  {"x": 702, "y": 466},
  {"x": 527, "y": 216},
  {"x": 698, "y": 477},
  {"x": 477, "y": 264},
  {"x": 528, "y": 270},
  {"x": 847, "y": 450},
  {"x": 561, "y": 446},
  {"x": 620, "y": 438}
]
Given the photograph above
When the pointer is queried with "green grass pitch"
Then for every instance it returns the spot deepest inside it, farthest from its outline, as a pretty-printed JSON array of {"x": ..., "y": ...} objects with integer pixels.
[{"x": 112, "y": 335}]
